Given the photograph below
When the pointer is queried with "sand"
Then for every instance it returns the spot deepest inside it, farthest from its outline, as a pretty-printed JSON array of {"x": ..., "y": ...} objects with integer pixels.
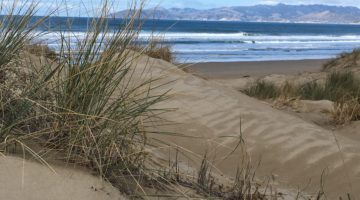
[
  {"x": 292, "y": 150},
  {"x": 239, "y": 75},
  {"x": 260, "y": 68},
  {"x": 23, "y": 179}
]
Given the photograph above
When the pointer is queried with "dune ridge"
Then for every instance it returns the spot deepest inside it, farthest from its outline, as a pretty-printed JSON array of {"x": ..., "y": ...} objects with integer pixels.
[{"x": 291, "y": 149}]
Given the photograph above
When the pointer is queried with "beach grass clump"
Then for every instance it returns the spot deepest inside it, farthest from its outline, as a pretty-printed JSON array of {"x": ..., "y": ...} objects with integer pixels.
[
  {"x": 268, "y": 90},
  {"x": 101, "y": 111},
  {"x": 263, "y": 90},
  {"x": 91, "y": 108},
  {"x": 346, "y": 110},
  {"x": 288, "y": 90},
  {"x": 343, "y": 88},
  {"x": 341, "y": 84},
  {"x": 311, "y": 91},
  {"x": 16, "y": 28},
  {"x": 155, "y": 48},
  {"x": 343, "y": 61},
  {"x": 41, "y": 50},
  {"x": 338, "y": 85}
]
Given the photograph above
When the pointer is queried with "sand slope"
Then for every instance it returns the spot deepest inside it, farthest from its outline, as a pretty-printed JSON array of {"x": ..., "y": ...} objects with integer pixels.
[
  {"x": 22, "y": 179},
  {"x": 291, "y": 150}
]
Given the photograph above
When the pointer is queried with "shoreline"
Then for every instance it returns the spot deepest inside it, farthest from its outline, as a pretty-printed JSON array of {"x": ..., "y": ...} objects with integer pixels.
[{"x": 225, "y": 70}]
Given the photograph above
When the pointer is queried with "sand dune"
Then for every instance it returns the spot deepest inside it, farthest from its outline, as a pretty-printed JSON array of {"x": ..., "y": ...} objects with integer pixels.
[
  {"x": 292, "y": 150},
  {"x": 22, "y": 179}
]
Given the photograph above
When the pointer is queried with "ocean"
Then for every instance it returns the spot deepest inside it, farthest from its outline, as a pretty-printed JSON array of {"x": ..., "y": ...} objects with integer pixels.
[{"x": 222, "y": 41}]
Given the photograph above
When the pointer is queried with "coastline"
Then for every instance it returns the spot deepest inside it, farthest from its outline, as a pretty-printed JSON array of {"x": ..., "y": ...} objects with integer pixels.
[
  {"x": 225, "y": 70},
  {"x": 272, "y": 22}
]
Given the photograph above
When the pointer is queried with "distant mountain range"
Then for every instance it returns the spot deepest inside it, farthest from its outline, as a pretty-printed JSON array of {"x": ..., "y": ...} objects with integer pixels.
[{"x": 258, "y": 13}]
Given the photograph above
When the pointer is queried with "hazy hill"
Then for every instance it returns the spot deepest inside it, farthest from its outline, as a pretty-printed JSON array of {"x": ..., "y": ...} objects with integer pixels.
[{"x": 258, "y": 13}]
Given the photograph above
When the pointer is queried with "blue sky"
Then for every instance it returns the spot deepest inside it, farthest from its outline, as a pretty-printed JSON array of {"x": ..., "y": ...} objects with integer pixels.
[{"x": 89, "y": 7}]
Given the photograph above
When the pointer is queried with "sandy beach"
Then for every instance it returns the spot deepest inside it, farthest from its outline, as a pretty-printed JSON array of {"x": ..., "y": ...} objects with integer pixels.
[{"x": 256, "y": 68}]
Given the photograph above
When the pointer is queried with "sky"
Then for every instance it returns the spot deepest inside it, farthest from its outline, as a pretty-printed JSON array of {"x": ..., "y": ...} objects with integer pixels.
[
  {"x": 91, "y": 7},
  {"x": 204, "y": 4}
]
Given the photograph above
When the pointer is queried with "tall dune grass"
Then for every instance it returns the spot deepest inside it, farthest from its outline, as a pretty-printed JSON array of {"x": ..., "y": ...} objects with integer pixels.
[
  {"x": 15, "y": 30},
  {"x": 92, "y": 107}
]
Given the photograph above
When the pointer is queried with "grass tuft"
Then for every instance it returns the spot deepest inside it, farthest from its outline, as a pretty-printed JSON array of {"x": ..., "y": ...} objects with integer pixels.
[
  {"x": 41, "y": 50},
  {"x": 312, "y": 91},
  {"x": 343, "y": 88},
  {"x": 155, "y": 49},
  {"x": 343, "y": 61},
  {"x": 346, "y": 111},
  {"x": 338, "y": 85},
  {"x": 263, "y": 90}
]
